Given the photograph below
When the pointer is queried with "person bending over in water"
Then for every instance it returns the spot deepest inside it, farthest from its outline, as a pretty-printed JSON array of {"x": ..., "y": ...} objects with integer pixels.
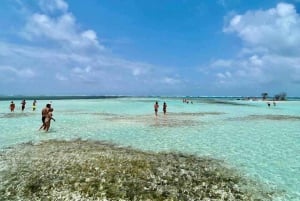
[{"x": 48, "y": 119}]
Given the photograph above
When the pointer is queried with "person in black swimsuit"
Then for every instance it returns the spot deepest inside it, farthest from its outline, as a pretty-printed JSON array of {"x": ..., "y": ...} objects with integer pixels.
[
  {"x": 23, "y": 103},
  {"x": 156, "y": 106},
  {"x": 165, "y": 108}
]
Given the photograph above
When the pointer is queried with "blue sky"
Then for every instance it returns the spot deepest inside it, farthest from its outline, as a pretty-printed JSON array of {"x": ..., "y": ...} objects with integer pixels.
[{"x": 133, "y": 47}]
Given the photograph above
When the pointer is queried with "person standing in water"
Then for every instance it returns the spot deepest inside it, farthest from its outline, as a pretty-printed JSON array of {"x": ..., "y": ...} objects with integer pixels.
[
  {"x": 44, "y": 115},
  {"x": 165, "y": 108},
  {"x": 156, "y": 106},
  {"x": 48, "y": 119},
  {"x": 34, "y": 105},
  {"x": 23, "y": 103},
  {"x": 12, "y": 106}
]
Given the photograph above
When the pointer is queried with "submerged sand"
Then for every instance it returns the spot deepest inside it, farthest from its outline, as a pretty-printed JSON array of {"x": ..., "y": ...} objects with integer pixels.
[{"x": 89, "y": 170}]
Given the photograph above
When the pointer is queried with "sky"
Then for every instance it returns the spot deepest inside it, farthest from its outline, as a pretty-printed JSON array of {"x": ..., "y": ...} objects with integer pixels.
[{"x": 151, "y": 47}]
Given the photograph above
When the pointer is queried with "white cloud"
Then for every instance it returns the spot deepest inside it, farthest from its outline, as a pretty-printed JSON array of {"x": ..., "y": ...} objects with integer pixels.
[
  {"x": 62, "y": 30},
  {"x": 79, "y": 70},
  {"x": 276, "y": 29},
  {"x": 62, "y": 55},
  {"x": 255, "y": 60},
  {"x": 170, "y": 80},
  {"x": 221, "y": 76},
  {"x": 53, "y": 5},
  {"x": 270, "y": 54},
  {"x": 136, "y": 71},
  {"x": 222, "y": 63},
  {"x": 89, "y": 34},
  {"x": 260, "y": 72},
  {"x": 20, "y": 73},
  {"x": 59, "y": 48},
  {"x": 43, "y": 26}
]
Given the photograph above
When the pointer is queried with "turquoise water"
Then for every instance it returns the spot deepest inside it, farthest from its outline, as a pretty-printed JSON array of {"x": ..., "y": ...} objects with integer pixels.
[{"x": 260, "y": 141}]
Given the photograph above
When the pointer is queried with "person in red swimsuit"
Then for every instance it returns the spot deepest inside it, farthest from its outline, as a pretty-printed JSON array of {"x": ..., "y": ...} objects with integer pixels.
[{"x": 12, "y": 106}]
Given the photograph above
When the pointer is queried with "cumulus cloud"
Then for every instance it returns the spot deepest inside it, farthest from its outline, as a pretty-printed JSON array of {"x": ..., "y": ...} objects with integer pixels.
[
  {"x": 53, "y": 5},
  {"x": 256, "y": 61},
  {"x": 61, "y": 53},
  {"x": 226, "y": 75},
  {"x": 91, "y": 36},
  {"x": 57, "y": 47},
  {"x": 270, "y": 52},
  {"x": 43, "y": 26},
  {"x": 276, "y": 29},
  {"x": 61, "y": 29}
]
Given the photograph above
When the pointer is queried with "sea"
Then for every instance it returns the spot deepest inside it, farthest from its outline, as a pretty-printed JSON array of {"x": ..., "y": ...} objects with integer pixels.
[{"x": 260, "y": 141}]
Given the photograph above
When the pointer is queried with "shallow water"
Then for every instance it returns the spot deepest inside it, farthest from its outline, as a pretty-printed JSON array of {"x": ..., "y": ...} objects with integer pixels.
[{"x": 262, "y": 142}]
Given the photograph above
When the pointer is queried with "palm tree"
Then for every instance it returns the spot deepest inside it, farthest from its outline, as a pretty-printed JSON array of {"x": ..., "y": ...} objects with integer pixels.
[
  {"x": 281, "y": 96},
  {"x": 264, "y": 95}
]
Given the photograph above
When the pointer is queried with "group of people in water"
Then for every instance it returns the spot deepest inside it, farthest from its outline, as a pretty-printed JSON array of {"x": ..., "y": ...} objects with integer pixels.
[
  {"x": 12, "y": 105},
  {"x": 47, "y": 113},
  {"x": 269, "y": 104},
  {"x": 156, "y": 106}
]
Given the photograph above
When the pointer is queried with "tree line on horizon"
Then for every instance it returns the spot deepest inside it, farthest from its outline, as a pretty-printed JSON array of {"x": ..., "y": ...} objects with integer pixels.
[{"x": 278, "y": 97}]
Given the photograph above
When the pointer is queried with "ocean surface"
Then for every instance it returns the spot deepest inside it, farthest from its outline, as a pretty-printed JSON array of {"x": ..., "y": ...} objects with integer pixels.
[{"x": 260, "y": 141}]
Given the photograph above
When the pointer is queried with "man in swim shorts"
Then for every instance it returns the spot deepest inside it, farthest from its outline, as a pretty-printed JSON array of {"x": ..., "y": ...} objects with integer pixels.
[{"x": 44, "y": 115}]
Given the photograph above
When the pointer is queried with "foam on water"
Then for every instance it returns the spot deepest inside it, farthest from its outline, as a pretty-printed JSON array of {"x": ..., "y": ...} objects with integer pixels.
[{"x": 260, "y": 141}]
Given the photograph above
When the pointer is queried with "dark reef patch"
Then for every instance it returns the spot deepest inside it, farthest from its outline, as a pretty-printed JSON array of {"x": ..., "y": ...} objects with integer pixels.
[
  {"x": 88, "y": 170},
  {"x": 268, "y": 117},
  {"x": 200, "y": 113},
  {"x": 17, "y": 115}
]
